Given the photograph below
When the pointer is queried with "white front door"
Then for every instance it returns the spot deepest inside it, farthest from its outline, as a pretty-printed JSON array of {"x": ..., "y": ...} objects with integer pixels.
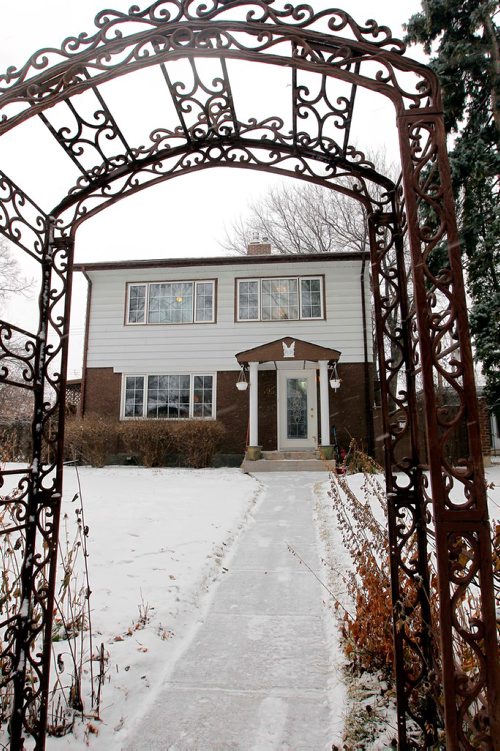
[{"x": 297, "y": 409}]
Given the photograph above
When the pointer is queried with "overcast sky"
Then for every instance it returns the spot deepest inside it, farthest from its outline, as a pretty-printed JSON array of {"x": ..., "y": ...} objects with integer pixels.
[{"x": 185, "y": 216}]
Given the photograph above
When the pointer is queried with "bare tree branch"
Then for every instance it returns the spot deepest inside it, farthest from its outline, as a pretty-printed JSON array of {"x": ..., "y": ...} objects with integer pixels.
[
  {"x": 12, "y": 282},
  {"x": 305, "y": 218}
]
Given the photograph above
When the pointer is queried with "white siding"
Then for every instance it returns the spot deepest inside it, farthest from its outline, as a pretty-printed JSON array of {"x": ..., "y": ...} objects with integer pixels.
[{"x": 205, "y": 348}]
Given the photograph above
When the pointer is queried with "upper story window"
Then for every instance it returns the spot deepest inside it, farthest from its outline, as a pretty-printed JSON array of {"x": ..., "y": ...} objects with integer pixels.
[
  {"x": 280, "y": 299},
  {"x": 171, "y": 302}
]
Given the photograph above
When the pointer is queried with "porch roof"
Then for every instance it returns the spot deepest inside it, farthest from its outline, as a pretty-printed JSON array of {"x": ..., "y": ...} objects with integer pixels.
[{"x": 288, "y": 349}]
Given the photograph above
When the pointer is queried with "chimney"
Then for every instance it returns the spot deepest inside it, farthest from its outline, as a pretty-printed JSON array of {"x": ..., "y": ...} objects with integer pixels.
[{"x": 259, "y": 247}]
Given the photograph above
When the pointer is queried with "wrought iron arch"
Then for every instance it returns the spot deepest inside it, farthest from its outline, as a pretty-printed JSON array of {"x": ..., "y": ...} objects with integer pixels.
[{"x": 431, "y": 336}]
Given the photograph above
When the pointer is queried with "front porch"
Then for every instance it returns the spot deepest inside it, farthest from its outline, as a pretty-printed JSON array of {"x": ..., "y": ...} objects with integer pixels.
[{"x": 305, "y": 372}]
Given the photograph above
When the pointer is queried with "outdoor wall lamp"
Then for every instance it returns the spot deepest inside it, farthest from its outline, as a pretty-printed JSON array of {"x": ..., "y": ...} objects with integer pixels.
[
  {"x": 334, "y": 377},
  {"x": 242, "y": 383}
]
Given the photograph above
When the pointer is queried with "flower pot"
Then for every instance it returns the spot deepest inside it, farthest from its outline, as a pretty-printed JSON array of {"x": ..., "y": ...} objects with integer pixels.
[{"x": 326, "y": 452}]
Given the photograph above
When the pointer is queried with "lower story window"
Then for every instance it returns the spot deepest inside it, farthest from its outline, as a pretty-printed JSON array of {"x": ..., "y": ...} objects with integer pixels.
[{"x": 169, "y": 396}]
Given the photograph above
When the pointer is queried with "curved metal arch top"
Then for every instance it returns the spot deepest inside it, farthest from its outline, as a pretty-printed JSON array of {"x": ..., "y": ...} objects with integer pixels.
[
  {"x": 67, "y": 91},
  {"x": 330, "y": 41}
]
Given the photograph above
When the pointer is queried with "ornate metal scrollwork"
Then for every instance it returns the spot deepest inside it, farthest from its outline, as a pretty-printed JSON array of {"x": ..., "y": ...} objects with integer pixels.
[
  {"x": 423, "y": 343},
  {"x": 170, "y": 30},
  {"x": 30, "y": 512},
  {"x": 410, "y": 577},
  {"x": 21, "y": 220},
  {"x": 17, "y": 353},
  {"x": 460, "y": 514},
  {"x": 266, "y": 155},
  {"x": 88, "y": 138}
]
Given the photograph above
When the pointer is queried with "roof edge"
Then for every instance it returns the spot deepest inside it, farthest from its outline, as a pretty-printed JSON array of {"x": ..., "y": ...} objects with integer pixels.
[
  {"x": 293, "y": 350},
  {"x": 219, "y": 261}
]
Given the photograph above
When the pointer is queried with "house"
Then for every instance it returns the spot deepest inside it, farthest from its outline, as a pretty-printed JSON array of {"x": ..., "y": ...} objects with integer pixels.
[{"x": 180, "y": 338}]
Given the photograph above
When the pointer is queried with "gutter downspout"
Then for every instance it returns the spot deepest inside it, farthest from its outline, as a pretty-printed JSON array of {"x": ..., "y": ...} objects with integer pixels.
[
  {"x": 81, "y": 408},
  {"x": 367, "y": 394}
]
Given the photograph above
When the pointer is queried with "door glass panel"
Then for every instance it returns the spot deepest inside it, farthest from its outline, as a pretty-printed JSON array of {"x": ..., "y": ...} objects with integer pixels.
[{"x": 296, "y": 407}]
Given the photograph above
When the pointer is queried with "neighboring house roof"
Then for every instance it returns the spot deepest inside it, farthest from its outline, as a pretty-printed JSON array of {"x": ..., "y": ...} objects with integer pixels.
[
  {"x": 242, "y": 260},
  {"x": 287, "y": 348}
]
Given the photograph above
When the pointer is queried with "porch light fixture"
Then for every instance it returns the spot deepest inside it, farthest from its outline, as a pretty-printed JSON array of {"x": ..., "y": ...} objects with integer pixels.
[
  {"x": 242, "y": 383},
  {"x": 334, "y": 377}
]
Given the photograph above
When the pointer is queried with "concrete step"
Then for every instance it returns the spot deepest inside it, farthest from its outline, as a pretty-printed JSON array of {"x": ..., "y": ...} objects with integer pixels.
[
  {"x": 295, "y": 455},
  {"x": 287, "y": 465}
]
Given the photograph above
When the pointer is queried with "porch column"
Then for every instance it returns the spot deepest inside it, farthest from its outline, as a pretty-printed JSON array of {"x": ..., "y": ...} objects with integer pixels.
[
  {"x": 254, "y": 404},
  {"x": 324, "y": 402}
]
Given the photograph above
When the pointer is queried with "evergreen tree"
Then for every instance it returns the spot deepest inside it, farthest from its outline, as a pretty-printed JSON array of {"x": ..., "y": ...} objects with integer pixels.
[{"x": 463, "y": 37}]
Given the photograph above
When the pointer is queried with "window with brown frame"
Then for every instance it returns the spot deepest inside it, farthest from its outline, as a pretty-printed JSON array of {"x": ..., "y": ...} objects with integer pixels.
[
  {"x": 166, "y": 396},
  {"x": 171, "y": 302},
  {"x": 280, "y": 299}
]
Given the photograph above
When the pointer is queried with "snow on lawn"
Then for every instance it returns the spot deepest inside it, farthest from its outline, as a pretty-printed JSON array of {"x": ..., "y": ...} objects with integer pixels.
[
  {"x": 157, "y": 545},
  {"x": 157, "y": 541}
]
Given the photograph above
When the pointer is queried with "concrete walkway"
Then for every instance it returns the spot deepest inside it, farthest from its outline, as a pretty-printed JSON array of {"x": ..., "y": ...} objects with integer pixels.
[{"x": 255, "y": 676}]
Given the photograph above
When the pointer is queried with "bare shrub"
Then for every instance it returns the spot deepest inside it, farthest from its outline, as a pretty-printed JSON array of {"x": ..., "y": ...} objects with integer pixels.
[
  {"x": 12, "y": 550},
  {"x": 357, "y": 461},
  {"x": 198, "y": 441},
  {"x": 368, "y": 641},
  {"x": 150, "y": 440},
  {"x": 367, "y": 630},
  {"x": 15, "y": 441},
  {"x": 73, "y": 682},
  {"x": 91, "y": 439}
]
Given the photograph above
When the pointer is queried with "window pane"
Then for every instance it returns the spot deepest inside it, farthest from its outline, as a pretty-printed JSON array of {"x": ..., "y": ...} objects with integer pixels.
[
  {"x": 248, "y": 300},
  {"x": 310, "y": 298},
  {"x": 296, "y": 407},
  {"x": 168, "y": 396},
  {"x": 136, "y": 303},
  {"x": 134, "y": 396},
  {"x": 202, "y": 396},
  {"x": 171, "y": 302},
  {"x": 280, "y": 299},
  {"x": 204, "y": 301},
  {"x": 157, "y": 396}
]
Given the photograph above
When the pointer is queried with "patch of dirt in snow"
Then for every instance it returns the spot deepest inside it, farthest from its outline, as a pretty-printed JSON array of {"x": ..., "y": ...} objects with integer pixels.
[{"x": 371, "y": 720}]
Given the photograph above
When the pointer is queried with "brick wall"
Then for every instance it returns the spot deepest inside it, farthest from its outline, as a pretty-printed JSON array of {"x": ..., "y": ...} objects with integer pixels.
[
  {"x": 347, "y": 405},
  {"x": 232, "y": 411},
  {"x": 259, "y": 249},
  {"x": 268, "y": 410},
  {"x": 102, "y": 392},
  {"x": 348, "y": 411},
  {"x": 484, "y": 425}
]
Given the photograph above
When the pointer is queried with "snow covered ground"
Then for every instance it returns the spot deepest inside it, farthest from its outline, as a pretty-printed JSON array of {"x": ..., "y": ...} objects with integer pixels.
[{"x": 159, "y": 542}]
